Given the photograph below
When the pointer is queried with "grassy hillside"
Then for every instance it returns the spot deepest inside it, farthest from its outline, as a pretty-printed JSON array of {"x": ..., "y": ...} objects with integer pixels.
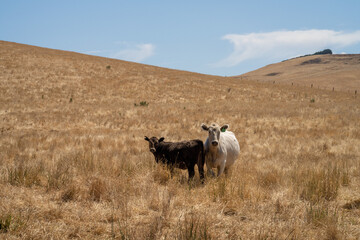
[
  {"x": 341, "y": 72},
  {"x": 74, "y": 162}
]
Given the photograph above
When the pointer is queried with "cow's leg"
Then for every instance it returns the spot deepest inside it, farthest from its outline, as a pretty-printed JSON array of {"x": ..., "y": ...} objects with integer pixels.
[
  {"x": 200, "y": 164},
  {"x": 227, "y": 171},
  {"x": 209, "y": 169},
  {"x": 221, "y": 168},
  {"x": 191, "y": 171},
  {"x": 210, "y": 172},
  {"x": 171, "y": 168},
  {"x": 201, "y": 173}
]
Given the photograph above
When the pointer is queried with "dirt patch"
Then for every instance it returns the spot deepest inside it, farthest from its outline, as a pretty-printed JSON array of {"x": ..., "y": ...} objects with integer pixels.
[
  {"x": 272, "y": 74},
  {"x": 312, "y": 61}
]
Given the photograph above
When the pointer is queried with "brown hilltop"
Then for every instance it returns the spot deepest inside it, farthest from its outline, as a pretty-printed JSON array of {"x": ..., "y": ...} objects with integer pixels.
[{"x": 341, "y": 72}]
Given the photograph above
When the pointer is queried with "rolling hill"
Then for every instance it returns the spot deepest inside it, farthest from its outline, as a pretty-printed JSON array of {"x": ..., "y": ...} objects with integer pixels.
[
  {"x": 341, "y": 72},
  {"x": 74, "y": 162}
]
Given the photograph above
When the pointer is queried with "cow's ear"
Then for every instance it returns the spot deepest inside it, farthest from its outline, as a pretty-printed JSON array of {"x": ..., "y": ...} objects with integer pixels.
[
  {"x": 147, "y": 139},
  {"x": 224, "y": 127},
  {"x": 161, "y": 139},
  {"x": 204, "y": 127}
]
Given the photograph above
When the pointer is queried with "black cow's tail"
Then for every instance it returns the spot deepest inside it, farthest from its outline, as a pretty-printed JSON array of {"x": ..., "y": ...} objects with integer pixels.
[{"x": 201, "y": 160}]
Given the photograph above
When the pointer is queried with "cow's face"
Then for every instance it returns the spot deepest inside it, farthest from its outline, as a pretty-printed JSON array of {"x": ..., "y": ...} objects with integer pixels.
[
  {"x": 153, "y": 143},
  {"x": 214, "y": 131}
]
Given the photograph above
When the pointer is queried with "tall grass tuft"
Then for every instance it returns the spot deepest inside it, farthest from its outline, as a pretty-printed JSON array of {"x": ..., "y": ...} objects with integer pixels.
[
  {"x": 193, "y": 228},
  {"x": 97, "y": 189},
  {"x": 59, "y": 175},
  {"x": 10, "y": 222},
  {"x": 321, "y": 215},
  {"x": 219, "y": 189},
  {"x": 23, "y": 174},
  {"x": 5, "y": 222},
  {"x": 322, "y": 183}
]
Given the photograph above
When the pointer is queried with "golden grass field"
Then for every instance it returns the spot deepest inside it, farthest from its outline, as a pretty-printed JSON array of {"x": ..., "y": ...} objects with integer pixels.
[{"x": 74, "y": 162}]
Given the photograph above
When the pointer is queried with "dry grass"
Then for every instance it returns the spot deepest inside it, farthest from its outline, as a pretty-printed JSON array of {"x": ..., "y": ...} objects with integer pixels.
[
  {"x": 80, "y": 168},
  {"x": 340, "y": 72}
]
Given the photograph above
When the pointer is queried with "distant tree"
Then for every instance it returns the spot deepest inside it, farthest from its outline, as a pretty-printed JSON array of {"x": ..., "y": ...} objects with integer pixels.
[{"x": 323, "y": 52}]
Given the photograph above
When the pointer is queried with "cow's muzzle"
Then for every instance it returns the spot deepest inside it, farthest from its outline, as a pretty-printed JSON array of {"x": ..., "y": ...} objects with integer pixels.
[
  {"x": 215, "y": 143},
  {"x": 152, "y": 150}
]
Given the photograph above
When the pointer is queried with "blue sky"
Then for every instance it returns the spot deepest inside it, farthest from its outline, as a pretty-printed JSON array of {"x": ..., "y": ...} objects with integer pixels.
[{"x": 213, "y": 37}]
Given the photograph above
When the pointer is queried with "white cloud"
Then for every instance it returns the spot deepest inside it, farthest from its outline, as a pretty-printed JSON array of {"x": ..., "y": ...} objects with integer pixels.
[
  {"x": 284, "y": 44},
  {"x": 136, "y": 53}
]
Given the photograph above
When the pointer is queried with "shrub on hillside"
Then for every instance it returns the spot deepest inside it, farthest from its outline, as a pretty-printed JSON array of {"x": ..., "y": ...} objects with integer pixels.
[{"x": 323, "y": 52}]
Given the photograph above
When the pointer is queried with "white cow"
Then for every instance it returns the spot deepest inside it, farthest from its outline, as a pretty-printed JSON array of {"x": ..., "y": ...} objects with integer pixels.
[{"x": 221, "y": 148}]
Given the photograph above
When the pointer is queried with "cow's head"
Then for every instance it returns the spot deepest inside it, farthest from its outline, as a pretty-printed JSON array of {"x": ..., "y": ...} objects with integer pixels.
[
  {"x": 214, "y": 132},
  {"x": 153, "y": 143}
]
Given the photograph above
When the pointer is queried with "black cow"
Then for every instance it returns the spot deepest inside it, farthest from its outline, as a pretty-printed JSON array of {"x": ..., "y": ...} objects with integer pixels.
[{"x": 183, "y": 155}]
